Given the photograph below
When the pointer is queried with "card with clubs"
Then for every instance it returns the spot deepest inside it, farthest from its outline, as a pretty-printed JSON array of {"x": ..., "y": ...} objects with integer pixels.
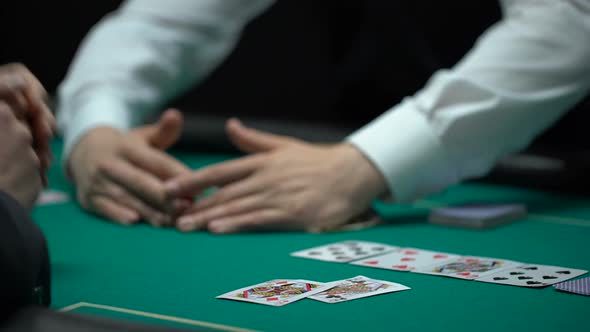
[
  {"x": 276, "y": 292},
  {"x": 406, "y": 259},
  {"x": 468, "y": 267},
  {"x": 344, "y": 252},
  {"x": 532, "y": 275},
  {"x": 356, "y": 288}
]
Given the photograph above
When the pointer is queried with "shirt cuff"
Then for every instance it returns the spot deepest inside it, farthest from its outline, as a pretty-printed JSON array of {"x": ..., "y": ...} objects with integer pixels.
[
  {"x": 404, "y": 147},
  {"x": 100, "y": 112}
]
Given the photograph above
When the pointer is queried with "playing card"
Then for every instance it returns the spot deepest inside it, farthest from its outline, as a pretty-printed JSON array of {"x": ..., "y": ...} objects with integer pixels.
[
  {"x": 478, "y": 216},
  {"x": 356, "y": 288},
  {"x": 346, "y": 251},
  {"x": 51, "y": 196},
  {"x": 406, "y": 259},
  {"x": 579, "y": 286},
  {"x": 276, "y": 292},
  {"x": 468, "y": 267},
  {"x": 532, "y": 275}
]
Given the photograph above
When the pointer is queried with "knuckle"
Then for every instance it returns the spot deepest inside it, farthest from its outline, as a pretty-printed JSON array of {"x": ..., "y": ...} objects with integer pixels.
[
  {"x": 116, "y": 193},
  {"x": 103, "y": 167},
  {"x": 127, "y": 146},
  {"x": 97, "y": 174},
  {"x": 297, "y": 208}
]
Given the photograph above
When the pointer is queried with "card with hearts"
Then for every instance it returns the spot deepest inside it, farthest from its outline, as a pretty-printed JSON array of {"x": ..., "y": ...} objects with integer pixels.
[
  {"x": 345, "y": 251},
  {"x": 468, "y": 267},
  {"x": 276, "y": 292},
  {"x": 356, "y": 288},
  {"x": 406, "y": 259},
  {"x": 532, "y": 275}
]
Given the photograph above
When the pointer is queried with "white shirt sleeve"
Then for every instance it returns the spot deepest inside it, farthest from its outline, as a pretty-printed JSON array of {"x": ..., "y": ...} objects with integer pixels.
[
  {"x": 520, "y": 77},
  {"x": 144, "y": 54}
]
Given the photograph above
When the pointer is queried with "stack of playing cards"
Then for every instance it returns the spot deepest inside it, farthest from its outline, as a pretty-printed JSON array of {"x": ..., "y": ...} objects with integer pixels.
[
  {"x": 579, "y": 286},
  {"x": 484, "y": 269},
  {"x": 284, "y": 291},
  {"x": 477, "y": 216}
]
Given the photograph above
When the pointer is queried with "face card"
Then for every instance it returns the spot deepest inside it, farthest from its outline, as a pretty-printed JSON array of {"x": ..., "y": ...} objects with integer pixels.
[
  {"x": 531, "y": 275},
  {"x": 276, "y": 292},
  {"x": 406, "y": 259},
  {"x": 356, "y": 288},
  {"x": 346, "y": 251},
  {"x": 468, "y": 267}
]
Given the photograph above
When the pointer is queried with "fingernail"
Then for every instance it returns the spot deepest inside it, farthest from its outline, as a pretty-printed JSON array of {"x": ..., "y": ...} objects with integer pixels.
[
  {"x": 217, "y": 227},
  {"x": 185, "y": 223},
  {"x": 130, "y": 218}
]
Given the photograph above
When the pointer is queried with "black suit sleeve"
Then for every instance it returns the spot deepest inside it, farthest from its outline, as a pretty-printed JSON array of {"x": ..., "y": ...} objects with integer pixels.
[{"x": 24, "y": 259}]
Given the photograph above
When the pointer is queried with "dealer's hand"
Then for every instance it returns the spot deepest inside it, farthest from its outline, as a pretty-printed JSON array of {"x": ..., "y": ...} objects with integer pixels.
[
  {"x": 284, "y": 184},
  {"x": 120, "y": 175}
]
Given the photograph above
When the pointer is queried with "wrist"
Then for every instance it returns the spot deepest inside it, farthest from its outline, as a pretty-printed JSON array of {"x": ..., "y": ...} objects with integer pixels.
[
  {"x": 79, "y": 152},
  {"x": 367, "y": 177}
]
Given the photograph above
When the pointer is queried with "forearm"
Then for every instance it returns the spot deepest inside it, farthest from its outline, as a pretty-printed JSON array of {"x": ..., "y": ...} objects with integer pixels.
[
  {"x": 142, "y": 55},
  {"x": 520, "y": 77}
]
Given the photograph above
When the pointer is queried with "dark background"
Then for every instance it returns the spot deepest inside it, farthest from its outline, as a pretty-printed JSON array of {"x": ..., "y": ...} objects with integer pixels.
[{"x": 328, "y": 65}]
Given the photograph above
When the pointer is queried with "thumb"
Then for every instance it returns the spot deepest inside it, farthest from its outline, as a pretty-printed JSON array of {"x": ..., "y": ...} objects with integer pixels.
[
  {"x": 251, "y": 140},
  {"x": 165, "y": 132}
]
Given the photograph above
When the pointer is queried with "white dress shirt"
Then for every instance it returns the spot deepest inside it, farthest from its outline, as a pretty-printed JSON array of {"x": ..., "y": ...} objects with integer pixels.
[{"x": 520, "y": 77}]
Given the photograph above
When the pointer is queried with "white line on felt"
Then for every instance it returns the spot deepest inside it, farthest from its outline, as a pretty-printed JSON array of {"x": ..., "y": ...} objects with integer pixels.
[
  {"x": 72, "y": 307},
  {"x": 158, "y": 316}
]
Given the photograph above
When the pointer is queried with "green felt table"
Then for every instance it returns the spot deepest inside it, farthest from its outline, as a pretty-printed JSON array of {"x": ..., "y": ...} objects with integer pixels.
[{"x": 142, "y": 270}]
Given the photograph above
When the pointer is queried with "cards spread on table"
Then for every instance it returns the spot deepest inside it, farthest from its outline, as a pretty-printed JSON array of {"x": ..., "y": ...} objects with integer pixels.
[
  {"x": 578, "y": 286},
  {"x": 280, "y": 292},
  {"x": 276, "y": 292},
  {"x": 532, "y": 275},
  {"x": 344, "y": 252},
  {"x": 391, "y": 257},
  {"x": 356, "y": 288},
  {"x": 406, "y": 259},
  {"x": 478, "y": 216}
]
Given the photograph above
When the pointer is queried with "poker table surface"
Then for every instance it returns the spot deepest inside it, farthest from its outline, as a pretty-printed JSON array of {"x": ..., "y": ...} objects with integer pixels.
[{"x": 165, "y": 277}]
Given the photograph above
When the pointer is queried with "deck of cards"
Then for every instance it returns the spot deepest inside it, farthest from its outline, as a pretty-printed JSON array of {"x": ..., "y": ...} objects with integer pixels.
[
  {"x": 284, "y": 291},
  {"x": 477, "y": 216},
  {"x": 483, "y": 269}
]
